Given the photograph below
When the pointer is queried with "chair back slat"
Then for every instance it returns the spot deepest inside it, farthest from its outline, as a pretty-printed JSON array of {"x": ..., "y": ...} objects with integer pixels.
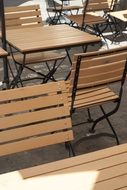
[
  {"x": 101, "y": 75},
  {"x": 35, "y": 142},
  {"x": 97, "y": 5},
  {"x": 31, "y": 91},
  {"x": 23, "y": 16},
  {"x": 99, "y": 68},
  {"x": 34, "y": 116}
]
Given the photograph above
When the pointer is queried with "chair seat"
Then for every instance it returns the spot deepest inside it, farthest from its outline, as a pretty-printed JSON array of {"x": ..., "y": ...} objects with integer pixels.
[
  {"x": 39, "y": 57},
  {"x": 64, "y": 8},
  {"x": 89, "y": 19},
  {"x": 94, "y": 96}
]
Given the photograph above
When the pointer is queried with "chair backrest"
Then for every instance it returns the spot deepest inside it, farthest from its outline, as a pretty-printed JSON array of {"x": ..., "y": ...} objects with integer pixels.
[
  {"x": 96, "y": 5},
  {"x": 23, "y": 16},
  {"x": 34, "y": 116},
  {"x": 97, "y": 69}
]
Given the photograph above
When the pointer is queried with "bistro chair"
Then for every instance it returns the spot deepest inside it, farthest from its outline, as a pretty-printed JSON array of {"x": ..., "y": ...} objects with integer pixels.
[
  {"x": 33, "y": 117},
  {"x": 30, "y": 16},
  {"x": 57, "y": 11},
  {"x": 91, "y": 82},
  {"x": 90, "y": 20}
]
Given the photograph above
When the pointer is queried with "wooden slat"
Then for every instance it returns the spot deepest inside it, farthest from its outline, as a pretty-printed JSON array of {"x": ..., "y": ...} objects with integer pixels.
[
  {"x": 39, "y": 57},
  {"x": 21, "y": 8},
  {"x": 99, "y": 99},
  {"x": 101, "y": 59},
  {"x": 103, "y": 68},
  {"x": 30, "y": 91},
  {"x": 115, "y": 183},
  {"x": 92, "y": 161},
  {"x": 99, "y": 79},
  {"x": 115, "y": 53},
  {"x": 30, "y": 104},
  {"x": 21, "y": 22},
  {"x": 113, "y": 171},
  {"x": 31, "y": 130},
  {"x": 94, "y": 5},
  {"x": 35, "y": 142},
  {"x": 30, "y": 117},
  {"x": 22, "y": 15}
]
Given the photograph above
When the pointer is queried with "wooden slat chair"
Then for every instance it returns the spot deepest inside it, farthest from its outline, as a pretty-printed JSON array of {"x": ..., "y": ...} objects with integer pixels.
[
  {"x": 56, "y": 11},
  {"x": 90, "y": 20},
  {"x": 90, "y": 79},
  {"x": 30, "y": 16},
  {"x": 34, "y": 116}
]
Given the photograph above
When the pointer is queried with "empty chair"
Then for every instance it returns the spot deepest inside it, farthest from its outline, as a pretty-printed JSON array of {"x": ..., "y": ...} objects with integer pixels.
[
  {"x": 90, "y": 19},
  {"x": 90, "y": 82},
  {"x": 34, "y": 116},
  {"x": 57, "y": 10},
  {"x": 30, "y": 16}
]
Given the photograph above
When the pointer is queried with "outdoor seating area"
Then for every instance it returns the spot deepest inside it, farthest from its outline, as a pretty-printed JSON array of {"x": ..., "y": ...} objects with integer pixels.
[{"x": 63, "y": 95}]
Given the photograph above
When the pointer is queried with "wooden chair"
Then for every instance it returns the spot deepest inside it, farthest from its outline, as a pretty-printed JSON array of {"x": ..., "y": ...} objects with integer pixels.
[
  {"x": 90, "y": 82},
  {"x": 56, "y": 11},
  {"x": 30, "y": 16},
  {"x": 33, "y": 117},
  {"x": 90, "y": 20}
]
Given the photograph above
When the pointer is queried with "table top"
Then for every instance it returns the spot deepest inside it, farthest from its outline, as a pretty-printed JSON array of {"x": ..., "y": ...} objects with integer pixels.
[
  {"x": 100, "y": 170},
  {"x": 121, "y": 15},
  {"x": 48, "y": 38},
  {"x": 3, "y": 53}
]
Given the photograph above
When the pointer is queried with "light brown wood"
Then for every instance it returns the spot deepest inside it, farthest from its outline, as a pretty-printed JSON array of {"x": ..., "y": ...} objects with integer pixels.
[
  {"x": 34, "y": 116},
  {"x": 116, "y": 154},
  {"x": 30, "y": 91},
  {"x": 39, "y": 57},
  {"x": 35, "y": 142},
  {"x": 3, "y": 53},
  {"x": 96, "y": 5},
  {"x": 48, "y": 37},
  {"x": 23, "y": 16},
  {"x": 121, "y": 15},
  {"x": 62, "y": 8},
  {"x": 103, "y": 169},
  {"x": 97, "y": 69},
  {"x": 90, "y": 14},
  {"x": 28, "y": 16}
]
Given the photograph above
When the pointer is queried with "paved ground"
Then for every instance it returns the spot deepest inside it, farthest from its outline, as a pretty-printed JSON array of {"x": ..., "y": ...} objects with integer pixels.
[{"x": 39, "y": 156}]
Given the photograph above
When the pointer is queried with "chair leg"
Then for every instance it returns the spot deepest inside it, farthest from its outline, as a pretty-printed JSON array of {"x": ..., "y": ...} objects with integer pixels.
[
  {"x": 68, "y": 146},
  {"x": 105, "y": 116},
  {"x": 89, "y": 116}
]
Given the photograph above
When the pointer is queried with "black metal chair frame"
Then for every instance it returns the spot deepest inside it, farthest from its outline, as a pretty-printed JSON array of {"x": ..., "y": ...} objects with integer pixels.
[
  {"x": 20, "y": 67},
  {"x": 105, "y": 115},
  {"x": 59, "y": 12},
  {"x": 94, "y": 28}
]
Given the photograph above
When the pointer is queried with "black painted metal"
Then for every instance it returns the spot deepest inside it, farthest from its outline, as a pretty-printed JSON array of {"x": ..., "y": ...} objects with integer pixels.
[
  {"x": 106, "y": 115},
  {"x": 3, "y": 32}
]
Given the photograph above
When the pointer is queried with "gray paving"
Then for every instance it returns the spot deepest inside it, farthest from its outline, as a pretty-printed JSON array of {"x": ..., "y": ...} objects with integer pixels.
[{"x": 81, "y": 127}]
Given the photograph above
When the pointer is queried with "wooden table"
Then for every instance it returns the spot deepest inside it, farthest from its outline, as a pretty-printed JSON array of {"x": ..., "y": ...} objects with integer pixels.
[
  {"x": 121, "y": 15},
  {"x": 37, "y": 39},
  {"x": 119, "y": 19},
  {"x": 100, "y": 170},
  {"x": 32, "y": 39}
]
